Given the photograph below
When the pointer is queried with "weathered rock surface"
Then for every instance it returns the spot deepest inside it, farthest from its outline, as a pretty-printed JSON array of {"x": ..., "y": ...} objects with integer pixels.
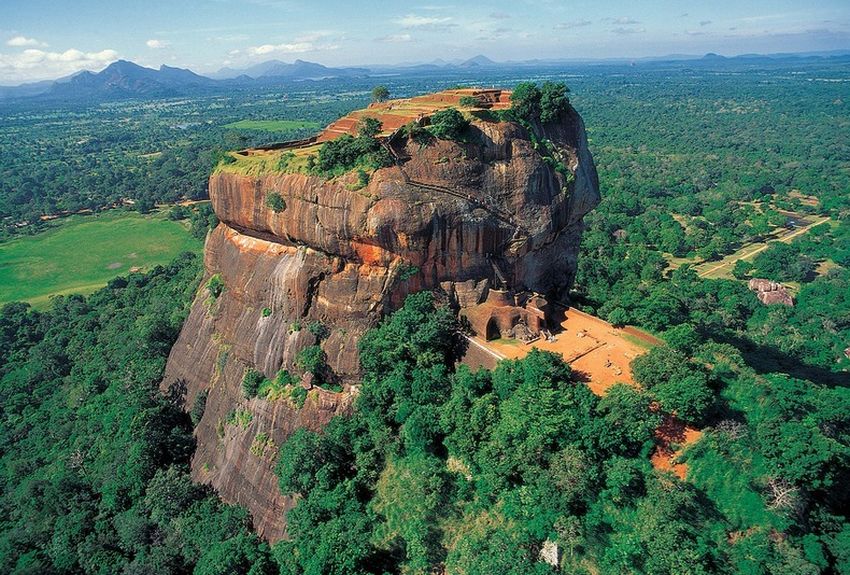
[
  {"x": 345, "y": 257},
  {"x": 770, "y": 293}
]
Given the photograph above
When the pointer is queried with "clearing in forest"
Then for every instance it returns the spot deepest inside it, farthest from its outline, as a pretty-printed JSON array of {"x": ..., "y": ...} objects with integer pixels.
[
  {"x": 600, "y": 355},
  {"x": 723, "y": 268},
  {"x": 82, "y": 253},
  {"x": 598, "y": 352}
]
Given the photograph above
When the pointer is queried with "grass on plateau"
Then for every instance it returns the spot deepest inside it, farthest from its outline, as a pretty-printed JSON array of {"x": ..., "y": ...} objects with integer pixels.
[{"x": 272, "y": 125}]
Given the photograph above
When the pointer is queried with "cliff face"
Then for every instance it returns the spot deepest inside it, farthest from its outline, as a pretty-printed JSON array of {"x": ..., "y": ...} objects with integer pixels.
[{"x": 446, "y": 217}]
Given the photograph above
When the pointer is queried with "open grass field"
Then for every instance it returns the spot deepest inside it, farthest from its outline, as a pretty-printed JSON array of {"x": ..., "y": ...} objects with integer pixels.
[
  {"x": 82, "y": 253},
  {"x": 723, "y": 268},
  {"x": 272, "y": 125}
]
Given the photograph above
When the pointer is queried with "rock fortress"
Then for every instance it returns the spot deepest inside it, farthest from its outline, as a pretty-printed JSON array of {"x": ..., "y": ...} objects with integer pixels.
[{"x": 491, "y": 221}]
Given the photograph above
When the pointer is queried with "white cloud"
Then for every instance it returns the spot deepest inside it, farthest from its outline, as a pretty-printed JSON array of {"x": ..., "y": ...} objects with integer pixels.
[
  {"x": 624, "y": 20},
  {"x": 289, "y": 48},
  {"x": 414, "y": 21},
  {"x": 573, "y": 24},
  {"x": 623, "y": 30},
  {"x": 395, "y": 38},
  {"x": 294, "y": 48},
  {"x": 34, "y": 64},
  {"x": 21, "y": 41},
  {"x": 315, "y": 41},
  {"x": 157, "y": 44}
]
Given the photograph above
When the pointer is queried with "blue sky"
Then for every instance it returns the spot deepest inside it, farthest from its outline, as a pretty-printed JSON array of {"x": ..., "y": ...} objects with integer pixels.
[{"x": 48, "y": 38}]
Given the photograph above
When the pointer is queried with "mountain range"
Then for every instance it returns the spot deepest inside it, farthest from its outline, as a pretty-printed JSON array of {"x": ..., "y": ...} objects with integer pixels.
[
  {"x": 123, "y": 79},
  {"x": 298, "y": 70},
  {"x": 128, "y": 79}
]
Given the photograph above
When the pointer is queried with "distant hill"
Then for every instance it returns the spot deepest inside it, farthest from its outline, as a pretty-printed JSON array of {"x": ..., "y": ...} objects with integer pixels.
[
  {"x": 478, "y": 61},
  {"x": 25, "y": 90},
  {"x": 128, "y": 79},
  {"x": 123, "y": 78},
  {"x": 298, "y": 70}
]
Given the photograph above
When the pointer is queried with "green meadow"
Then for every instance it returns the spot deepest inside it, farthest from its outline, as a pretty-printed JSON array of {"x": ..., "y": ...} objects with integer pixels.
[
  {"x": 271, "y": 125},
  {"x": 82, "y": 253}
]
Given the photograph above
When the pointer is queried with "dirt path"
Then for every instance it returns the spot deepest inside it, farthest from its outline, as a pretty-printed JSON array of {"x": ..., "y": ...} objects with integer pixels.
[
  {"x": 673, "y": 437},
  {"x": 785, "y": 239}
]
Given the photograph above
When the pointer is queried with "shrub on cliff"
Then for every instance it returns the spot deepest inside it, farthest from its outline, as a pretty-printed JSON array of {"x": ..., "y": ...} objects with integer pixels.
[
  {"x": 311, "y": 359},
  {"x": 275, "y": 202},
  {"x": 215, "y": 286},
  {"x": 546, "y": 103},
  {"x": 251, "y": 382},
  {"x": 347, "y": 152},
  {"x": 448, "y": 124}
]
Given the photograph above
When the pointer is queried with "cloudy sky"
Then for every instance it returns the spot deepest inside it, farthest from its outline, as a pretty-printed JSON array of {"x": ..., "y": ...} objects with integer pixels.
[{"x": 42, "y": 39}]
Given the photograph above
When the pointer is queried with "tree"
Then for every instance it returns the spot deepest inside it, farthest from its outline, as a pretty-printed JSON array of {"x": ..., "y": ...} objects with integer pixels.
[
  {"x": 169, "y": 493},
  {"x": 380, "y": 94},
  {"x": 202, "y": 219},
  {"x": 369, "y": 127},
  {"x": 198, "y": 407},
  {"x": 679, "y": 385},
  {"x": 683, "y": 338},
  {"x": 251, "y": 382},
  {"x": 410, "y": 496},
  {"x": 448, "y": 124},
  {"x": 145, "y": 204},
  {"x": 628, "y": 422},
  {"x": 311, "y": 359},
  {"x": 553, "y": 101},
  {"x": 301, "y": 457},
  {"x": 525, "y": 101},
  {"x": 241, "y": 554},
  {"x": 784, "y": 262},
  {"x": 492, "y": 548},
  {"x": 178, "y": 213},
  {"x": 741, "y": 270},
  {"x": 420, "y": 333}
]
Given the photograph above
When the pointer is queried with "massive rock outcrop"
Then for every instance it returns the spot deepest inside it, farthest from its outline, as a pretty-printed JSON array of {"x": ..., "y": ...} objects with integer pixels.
[{"x": 450, "y": 216}]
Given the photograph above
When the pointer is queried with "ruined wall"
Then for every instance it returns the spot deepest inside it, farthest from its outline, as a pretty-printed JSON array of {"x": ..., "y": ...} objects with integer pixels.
[{"x": 344, "y": 257}]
